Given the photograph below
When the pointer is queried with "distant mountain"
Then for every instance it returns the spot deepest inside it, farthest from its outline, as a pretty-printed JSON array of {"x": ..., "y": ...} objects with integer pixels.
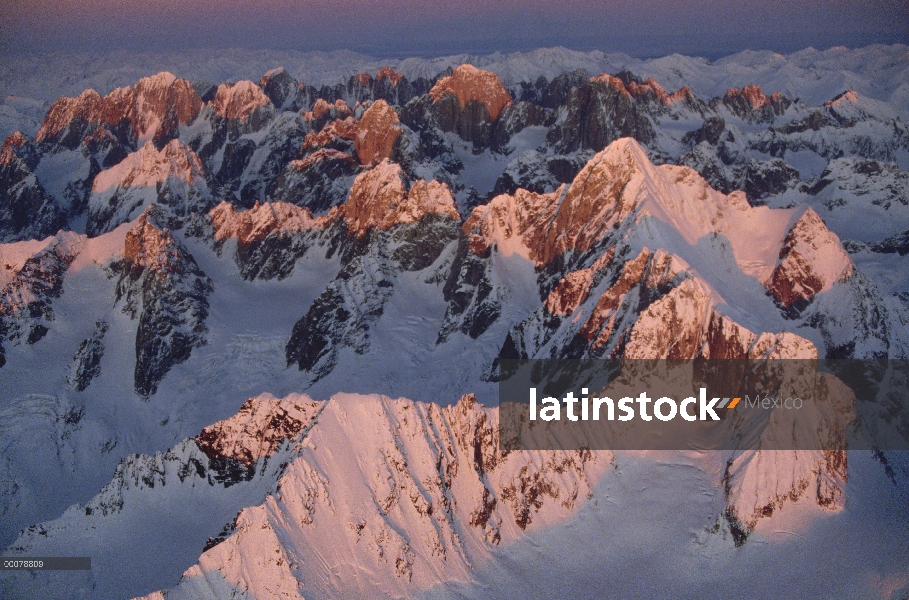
[{"x": 27, "y": 83}]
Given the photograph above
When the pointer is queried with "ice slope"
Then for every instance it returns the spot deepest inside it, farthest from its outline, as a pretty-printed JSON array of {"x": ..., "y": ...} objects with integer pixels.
[
  {"x": 651, "y": 524},
  {"x": 651, "y": 531}
]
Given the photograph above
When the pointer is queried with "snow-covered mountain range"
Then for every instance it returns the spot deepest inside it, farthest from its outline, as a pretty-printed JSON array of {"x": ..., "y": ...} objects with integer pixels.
[
  {"x": 29, "y": 83},
  {"x": 183, "y": 260}
]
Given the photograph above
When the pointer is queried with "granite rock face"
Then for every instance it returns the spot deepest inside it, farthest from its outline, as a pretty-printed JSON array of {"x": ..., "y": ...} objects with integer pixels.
[{"x": 161, "y": 285}]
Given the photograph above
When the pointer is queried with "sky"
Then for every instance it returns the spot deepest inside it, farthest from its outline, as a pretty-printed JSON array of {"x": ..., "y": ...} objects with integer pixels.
[{"x": 433, "y": 27}]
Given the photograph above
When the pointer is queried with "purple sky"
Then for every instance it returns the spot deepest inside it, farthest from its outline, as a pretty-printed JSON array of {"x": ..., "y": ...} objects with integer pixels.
[{"x": 413, "y": 27}]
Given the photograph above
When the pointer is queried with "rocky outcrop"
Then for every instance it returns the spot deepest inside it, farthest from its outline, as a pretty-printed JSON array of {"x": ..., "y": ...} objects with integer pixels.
[
  {"x": 377, "y": 133},
  {"x": 576, "y": 217},
  {"x": 323, "y": 112},
  {"x": 597, "y": 113},
  {"x": 467, "y": 83},
  {"x": 761, "y": 179},
  {"x": 683, "y": 325},
  {"x": 373, "y": 198},
  {"x": 752, "y": 104},
  {"x": 343, "y": 315},
  {"x": 379, "y": 200},
  {"x": 26, "y": 209},
  {"x": 247, "y": 158},
  {"x": 68, "y": 119},
  {"x": 838, "y": 129},
  {"x": 552, "y": 94},
  {"x": 531, "y": 171},
  {"x": 574, "y": 289},
  {"x": 161, "y": 286},
  {"x": 758, "y": 483},
  {"x": 29, "y": 289},
  {"x": 885, "y": 182},
  {"x": 270, "y": 237},
  {"x": 469, "y": 102},
  {"x": 879, "y": 190},
  {"x": 898, "y": 243},
  {"x": 336, "y": 135},
  {"x": 318, "y": 182},
  {"x": 362, "y": 89},
  {"x": 230, "y": 452},
  {"x": 388, "y": 85},
  {"x": 105, "y": 147},
  {"x": 474, "y": 303},
  {"x": 257, "y": 430},
  {"x": 711, "y": 132},
  {"x": 283, "y": 91},
  {"x": 388, "y": 74},
  {"x": 17, "y": 145},
  {"x": 649, "y": 306},
  {"x": 515, "y": 118},
  {"x": 811, "y": 260},
  {"x": 651, "y": 91},
  {"x": 86, "y": 363},
  {"x": 242, "y": 100},
  {"x": 260, "y": 221}
]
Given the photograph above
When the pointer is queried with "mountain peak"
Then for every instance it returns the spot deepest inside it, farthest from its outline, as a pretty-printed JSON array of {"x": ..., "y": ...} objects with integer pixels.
[
  {"x": 162, "y": 80},
  {"x": 16, "y": 139},
  {"x": 173, "y": 176},
  {"x": 377, "y": 132},
  {"x": 280, "y": 87},
  {"x": 390, "y": 74},
  {"x": 271, "y": 73},
  {"x": 620, "y": 196},
  {"x": 8, "y": 151},
  {"x": 240, "y": 100},
  {"x": 470, "y": 83},
  {"x": 626, "y": 84},
  {"x": 339, "y": 128},
  {"x": 811, "y": 261},
  {"x": 379, "y": 199},
  {"x": 652, "y": 86},
  {"x": 374, "y": 196},
  {"x": 321, "y": 108},
  {"x": 62, "y": 112},
  {"x": 258, "y": 222},
  {"x": 543, "y": 226},
  {"x": 257, "y": 429},
  {"x": 751, "y": 103},
  {"x": 626, "y": 150},
  {"x": 847, "y": 96},
  {"x": 154, "y": 107},
  {"x": 150, "y": 102},
  {"x": 612, "y": 80},
  {"x": 149, "y": 245},
  {"x": 753, "y": 95},
  {"x": 149, "y": 166}
]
